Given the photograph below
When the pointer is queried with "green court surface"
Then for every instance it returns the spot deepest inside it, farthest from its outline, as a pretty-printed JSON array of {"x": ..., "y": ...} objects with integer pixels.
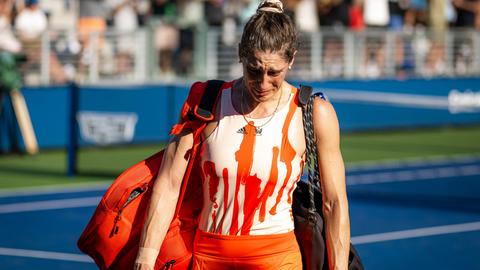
[{"x": 103, "y": 164}]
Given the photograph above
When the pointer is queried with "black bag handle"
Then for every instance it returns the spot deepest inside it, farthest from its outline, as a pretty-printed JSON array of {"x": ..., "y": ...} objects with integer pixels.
[{"x": 311, "y": 162}]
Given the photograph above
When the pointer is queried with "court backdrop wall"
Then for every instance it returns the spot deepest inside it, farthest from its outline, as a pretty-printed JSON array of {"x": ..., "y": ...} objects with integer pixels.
[{"x": 145, "y": 113}]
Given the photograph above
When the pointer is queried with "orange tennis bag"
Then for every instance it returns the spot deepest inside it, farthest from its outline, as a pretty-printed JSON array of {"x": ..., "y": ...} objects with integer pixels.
[{"x": 112, "y": 235}]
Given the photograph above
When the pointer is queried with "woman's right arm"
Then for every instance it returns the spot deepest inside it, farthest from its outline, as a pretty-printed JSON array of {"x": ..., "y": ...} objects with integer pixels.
[{"x": 164, "y": 200}]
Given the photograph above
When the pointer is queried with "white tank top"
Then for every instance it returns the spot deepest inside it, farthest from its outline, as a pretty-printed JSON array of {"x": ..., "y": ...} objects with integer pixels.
[{"x": 249, "y": 175}]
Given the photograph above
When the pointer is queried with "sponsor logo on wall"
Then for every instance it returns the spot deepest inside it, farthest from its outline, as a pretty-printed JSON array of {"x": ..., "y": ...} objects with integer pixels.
[
  {"x": 104, "y": 128},
  {"x": 463, "y": 102}
]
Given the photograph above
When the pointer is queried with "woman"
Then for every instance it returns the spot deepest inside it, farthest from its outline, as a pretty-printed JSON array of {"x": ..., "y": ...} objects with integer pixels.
[{"x": 252, "y": 156}]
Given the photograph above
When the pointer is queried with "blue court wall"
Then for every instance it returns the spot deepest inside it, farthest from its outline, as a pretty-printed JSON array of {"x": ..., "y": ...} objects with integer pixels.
[{"x": 360, "y": 105}]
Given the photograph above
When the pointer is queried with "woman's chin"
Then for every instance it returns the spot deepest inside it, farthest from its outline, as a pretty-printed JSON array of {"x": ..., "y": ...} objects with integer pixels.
[{"x": 263, "y": 95}]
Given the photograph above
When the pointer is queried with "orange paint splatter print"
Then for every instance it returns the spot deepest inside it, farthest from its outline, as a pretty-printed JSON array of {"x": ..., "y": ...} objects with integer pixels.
[
  {"x": 270, "y": 186},
  {"x": 252, "y": 192},
  {"x": 244, "y": 158},
  {"x": 287, "y": 154},
  {"x": 210, "y": 172},
  {"x": 225, "y": 197},
  {"x": 256, "y": 198}
]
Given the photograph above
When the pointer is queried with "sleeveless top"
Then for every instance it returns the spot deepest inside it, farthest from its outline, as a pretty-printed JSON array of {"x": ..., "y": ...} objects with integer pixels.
[{"x": 249, "y": 175}]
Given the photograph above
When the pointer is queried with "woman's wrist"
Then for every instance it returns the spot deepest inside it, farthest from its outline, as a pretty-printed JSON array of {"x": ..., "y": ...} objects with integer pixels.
[{"x": 147, "y": 256}]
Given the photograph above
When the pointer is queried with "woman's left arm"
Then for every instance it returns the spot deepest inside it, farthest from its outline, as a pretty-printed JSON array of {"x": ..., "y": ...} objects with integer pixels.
[{"x": 332, "y": 173}]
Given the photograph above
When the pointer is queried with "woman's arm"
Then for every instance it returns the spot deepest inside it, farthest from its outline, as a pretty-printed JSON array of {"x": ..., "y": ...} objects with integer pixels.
[
  {"x": 332, "y": 172},
  {"x": 164, "y": 200}
]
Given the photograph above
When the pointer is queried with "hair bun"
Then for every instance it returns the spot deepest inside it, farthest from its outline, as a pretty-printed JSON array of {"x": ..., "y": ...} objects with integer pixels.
[{"x": 270, "y": 6}]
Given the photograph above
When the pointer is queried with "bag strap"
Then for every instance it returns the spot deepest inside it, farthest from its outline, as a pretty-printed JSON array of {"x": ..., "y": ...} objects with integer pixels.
[
  {"x": 205, "y": 112},
  {"x": 311, "y": 163},
  {"x": 199, "y": 107}
]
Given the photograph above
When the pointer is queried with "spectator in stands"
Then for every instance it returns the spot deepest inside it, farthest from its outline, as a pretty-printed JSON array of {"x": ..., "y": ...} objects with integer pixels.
[
  {"x": 333, "y": 13},
  {"x": 9, "y": 77},
  {"x": 91, "y": 19},
  {"x": 397, "y": 10},
  {"x": 91, "y": 27},
  {"x": 450, "y": 13},
  {"x": 437, "y": 15},
  {"x": 468, "y": 13},
  {"x": 125, "y": 23},
  {"x": 306, "y": 16},
  {"x": 356, "y": 15},
  {"x": 435, "y": 60},
  {"x": 435, "y": 63},
  {"x": 468, "y": 16},
  {"x": 8, "y": 42},
  {"x": 333, "y": 63},
  {"x": 416, "y": 13},
  {"x": 231, "y": 11},
  {"x": 166, "y": 35},
  {"x": 214, "y": 12},
  {"x": 376, "y": 13},
  {"x": 403, "y": 57},
  {"x": 160, "y": 8},
  {"x": 374, "y": 61},
  {"x": 31, "y": 23},
  {"x": 191, "y": 15}
]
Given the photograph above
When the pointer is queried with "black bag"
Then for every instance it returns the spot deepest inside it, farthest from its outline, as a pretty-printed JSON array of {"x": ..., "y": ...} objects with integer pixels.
[{"x": 307, "y": 202}]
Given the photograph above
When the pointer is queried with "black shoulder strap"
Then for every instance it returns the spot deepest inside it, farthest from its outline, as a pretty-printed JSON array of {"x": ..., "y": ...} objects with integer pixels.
[
  {"x": 304, "y": 95},
  {"x": 209, "y": 98},
  {"x": 306, "y": 92}
]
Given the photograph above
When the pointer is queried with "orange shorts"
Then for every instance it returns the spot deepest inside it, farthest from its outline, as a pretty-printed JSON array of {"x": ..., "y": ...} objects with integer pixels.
[{"x": 258, "y": 252}]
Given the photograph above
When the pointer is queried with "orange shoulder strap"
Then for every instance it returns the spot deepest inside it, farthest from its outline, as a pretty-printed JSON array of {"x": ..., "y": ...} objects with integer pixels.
[
  {"x": 197, "y": 111},
  {"x": 199, "y": 107}
]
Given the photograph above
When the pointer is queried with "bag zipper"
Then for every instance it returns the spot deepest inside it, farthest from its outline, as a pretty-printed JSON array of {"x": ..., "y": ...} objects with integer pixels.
[
  {"x": 169, "y": 265},
  {"x": 133, "y": 195}
]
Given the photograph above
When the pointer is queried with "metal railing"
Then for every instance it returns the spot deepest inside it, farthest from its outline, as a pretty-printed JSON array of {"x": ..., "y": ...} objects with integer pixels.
[{"x": 133, "y": 58}]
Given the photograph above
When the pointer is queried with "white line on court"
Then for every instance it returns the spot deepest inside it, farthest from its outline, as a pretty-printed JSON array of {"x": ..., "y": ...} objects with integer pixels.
[
  {"x": 46, "y": 190},
  {"x": 358, "y": 240},
  {"x": 45, "y": 255},
  {"x": 352, "y": 167},
  {"x": 413, "y": 162},
  {"x": 412, "y": 175},
  {"x": 394, "y": 99},
  {"x": 361, "y": 179},
  {"x": 415, "y": 233},
  {"x": 49, "y": 205}
]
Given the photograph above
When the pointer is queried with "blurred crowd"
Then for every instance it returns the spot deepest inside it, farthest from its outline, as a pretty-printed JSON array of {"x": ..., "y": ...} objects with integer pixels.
[
  {"x": 392, "y": 14},
  {"x": 22, "y": 23}
]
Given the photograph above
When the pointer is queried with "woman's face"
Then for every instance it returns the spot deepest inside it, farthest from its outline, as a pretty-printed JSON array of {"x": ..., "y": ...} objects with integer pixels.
[{"x": 264, "y": 73}]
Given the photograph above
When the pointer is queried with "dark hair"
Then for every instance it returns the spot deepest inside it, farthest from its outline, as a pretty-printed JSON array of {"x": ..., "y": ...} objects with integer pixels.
[{"x": 269, "y": 30}]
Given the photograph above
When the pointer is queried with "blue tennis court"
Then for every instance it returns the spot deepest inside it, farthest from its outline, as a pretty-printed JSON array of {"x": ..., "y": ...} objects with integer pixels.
[{"x": 415, "y": 214}]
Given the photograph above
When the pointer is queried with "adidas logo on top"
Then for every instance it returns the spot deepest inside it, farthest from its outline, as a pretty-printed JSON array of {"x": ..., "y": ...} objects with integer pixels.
[{"x": 258, "y": 131}]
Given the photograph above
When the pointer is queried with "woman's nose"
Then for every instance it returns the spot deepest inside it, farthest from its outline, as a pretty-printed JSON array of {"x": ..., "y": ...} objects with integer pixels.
[{"x": 264, "y": 80}]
